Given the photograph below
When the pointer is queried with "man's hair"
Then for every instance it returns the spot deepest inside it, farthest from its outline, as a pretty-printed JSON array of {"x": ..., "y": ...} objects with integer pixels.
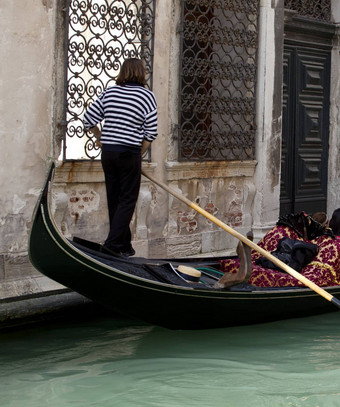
[{"x": 132, "y": 70}]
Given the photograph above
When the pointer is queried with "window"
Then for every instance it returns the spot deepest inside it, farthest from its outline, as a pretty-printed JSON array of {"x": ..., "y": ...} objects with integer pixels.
[
  {"x": 101, "y": 35},
  {"x": 218, "y": 78}
]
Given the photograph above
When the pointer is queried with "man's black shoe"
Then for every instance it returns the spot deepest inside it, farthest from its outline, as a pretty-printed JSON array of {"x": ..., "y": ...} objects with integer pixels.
[
  {"x": 124, "y": 255},
  {"x": 129, "y": 253},
  {"x": 107, "y": 250}
]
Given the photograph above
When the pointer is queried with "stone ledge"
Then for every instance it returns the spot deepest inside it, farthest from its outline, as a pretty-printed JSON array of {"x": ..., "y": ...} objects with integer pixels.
[
  {"x": 91, "y": 170},
  {"x": 86, "y": 171},
  {"x": 10, "y": 290},
  {"x": 36, "y": 308},
  {"x": 209, "y": 169},
  {"x": 79, "y": 172},
  {"x": 149, "y": 168}
]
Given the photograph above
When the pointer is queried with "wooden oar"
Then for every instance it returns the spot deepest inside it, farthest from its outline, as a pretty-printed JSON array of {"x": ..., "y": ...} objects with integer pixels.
[{"x": 249, "y": 243}]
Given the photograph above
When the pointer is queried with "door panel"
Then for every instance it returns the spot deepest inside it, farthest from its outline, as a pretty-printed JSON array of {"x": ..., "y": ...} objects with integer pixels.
[{"x": 305, "y": 129}]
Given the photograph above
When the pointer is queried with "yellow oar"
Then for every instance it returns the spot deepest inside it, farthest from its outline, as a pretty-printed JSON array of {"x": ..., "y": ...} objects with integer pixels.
[{"x": 248, "y": 242}]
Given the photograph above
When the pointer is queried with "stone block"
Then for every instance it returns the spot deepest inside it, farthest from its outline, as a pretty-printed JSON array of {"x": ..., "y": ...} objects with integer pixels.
[
  {"x": 141, "y": 247},
  {"x": 218, "y": 240},
  {"x": 18, "y": 288},
  {"x": 29, "y": 286},
  {"x": 18, "y": 267},
  {"x": 184, "y": 246},
  {"x": 157, "y": 248}
]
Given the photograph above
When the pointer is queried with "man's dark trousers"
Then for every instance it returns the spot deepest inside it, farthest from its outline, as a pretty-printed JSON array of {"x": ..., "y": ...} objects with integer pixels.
[{"x": 122, "y": 177}]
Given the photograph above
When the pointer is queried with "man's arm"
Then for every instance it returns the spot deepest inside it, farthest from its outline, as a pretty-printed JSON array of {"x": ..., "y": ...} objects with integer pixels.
[{"x": 145, "y": 145}]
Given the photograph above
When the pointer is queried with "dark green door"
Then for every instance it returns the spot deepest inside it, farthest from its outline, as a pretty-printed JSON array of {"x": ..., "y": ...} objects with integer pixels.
[{"x": 305, "y": 127}]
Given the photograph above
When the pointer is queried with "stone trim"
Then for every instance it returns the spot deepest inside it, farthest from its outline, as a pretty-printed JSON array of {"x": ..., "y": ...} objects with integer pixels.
[
  {"x": 209, "y": 169},
  {"x": 86, "y": 171},
  {"x": 79, "y": 172}
]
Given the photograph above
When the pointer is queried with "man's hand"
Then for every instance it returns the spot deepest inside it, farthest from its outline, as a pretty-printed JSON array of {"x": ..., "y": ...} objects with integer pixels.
[
  {"x": 98, "y": 143},
  {"x": 98, "y": 134}
]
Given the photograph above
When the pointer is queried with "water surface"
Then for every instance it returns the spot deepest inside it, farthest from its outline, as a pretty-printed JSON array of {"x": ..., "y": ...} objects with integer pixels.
[{"x": 115, "y": 362}]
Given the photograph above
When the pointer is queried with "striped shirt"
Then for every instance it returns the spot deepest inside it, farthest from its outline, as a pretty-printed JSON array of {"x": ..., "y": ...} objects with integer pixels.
[{"x": 129, "y": 113}]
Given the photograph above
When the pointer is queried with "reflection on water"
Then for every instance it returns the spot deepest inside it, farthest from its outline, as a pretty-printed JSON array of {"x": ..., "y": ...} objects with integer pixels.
[{"x": 107, "y": 362}]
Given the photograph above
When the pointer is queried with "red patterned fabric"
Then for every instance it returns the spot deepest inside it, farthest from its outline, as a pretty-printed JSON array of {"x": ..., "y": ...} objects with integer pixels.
[
  {"x": 324, "y": 270},
  {"x": 270, "y": 241}
]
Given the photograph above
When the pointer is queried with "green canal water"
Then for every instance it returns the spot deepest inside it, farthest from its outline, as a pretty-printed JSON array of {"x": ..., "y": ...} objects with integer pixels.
[{"x": 104, "y": 362}]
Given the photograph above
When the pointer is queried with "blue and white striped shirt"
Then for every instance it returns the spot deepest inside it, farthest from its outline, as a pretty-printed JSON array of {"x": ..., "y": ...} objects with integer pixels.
[{"x": 129, "y": 113}]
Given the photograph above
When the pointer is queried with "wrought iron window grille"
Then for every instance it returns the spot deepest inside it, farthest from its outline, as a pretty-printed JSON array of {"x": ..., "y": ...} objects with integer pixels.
[
  {"x": 101, "y": 34},
  {"x": 315, "y": 9},
  {"x": 219, "y": 43}
]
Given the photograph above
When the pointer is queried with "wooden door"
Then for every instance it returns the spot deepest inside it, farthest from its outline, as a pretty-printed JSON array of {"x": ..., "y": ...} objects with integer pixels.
[{"x": 305, "y": 127}]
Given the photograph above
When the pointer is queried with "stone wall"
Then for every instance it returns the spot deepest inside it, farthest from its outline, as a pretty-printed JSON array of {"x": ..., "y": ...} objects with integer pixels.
[{"x": 225, "y": 190}]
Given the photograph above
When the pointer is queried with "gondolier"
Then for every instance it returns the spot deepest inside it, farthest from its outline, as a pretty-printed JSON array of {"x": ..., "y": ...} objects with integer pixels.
[{"x": 129, "y": 111}]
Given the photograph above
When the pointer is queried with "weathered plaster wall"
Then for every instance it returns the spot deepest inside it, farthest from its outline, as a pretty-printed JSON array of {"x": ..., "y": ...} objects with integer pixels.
[
  {"x": 225, "y": 190},
  {"x": 26, "y": 52},
  {"x": 334, "y": 136},
  {"x": 335, "y": 7},
  {"x": 79, "y": 200},
  {"x": 26, "y": 119},
  {"x": 268, "y": 111}
]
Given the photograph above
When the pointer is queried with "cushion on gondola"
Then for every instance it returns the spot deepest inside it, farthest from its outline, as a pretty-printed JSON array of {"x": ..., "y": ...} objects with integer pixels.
[{"x": 323, "y": 270}]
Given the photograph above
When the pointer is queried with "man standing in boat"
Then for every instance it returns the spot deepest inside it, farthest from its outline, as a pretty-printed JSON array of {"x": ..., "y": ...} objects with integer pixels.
[{"x": 129, "y": 111}]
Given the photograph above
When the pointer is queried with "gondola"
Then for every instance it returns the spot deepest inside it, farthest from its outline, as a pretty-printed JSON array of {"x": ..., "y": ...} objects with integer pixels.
[{"x": 152, "y": 290}]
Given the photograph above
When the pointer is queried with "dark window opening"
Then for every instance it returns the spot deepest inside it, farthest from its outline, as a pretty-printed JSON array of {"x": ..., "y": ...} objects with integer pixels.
[{"x": 217, "y": 80}]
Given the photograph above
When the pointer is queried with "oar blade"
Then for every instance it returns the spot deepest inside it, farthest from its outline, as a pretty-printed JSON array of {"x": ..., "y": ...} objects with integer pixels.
[{"x": 335, "y": 301}]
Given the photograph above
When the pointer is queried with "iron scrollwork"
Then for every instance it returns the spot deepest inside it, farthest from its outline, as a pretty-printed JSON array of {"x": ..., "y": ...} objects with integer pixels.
[
  {"x": 101, "y": 35},
  {"x": 218, "y": 77},
  {"x": 315, "y": 9}
]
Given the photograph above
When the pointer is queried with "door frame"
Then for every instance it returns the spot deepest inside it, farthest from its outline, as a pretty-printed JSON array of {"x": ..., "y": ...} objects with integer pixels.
[{"x": 304, "y": 35}]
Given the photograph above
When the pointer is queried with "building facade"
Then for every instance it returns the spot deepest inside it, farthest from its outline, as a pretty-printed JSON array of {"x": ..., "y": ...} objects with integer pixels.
[{"x": 248, "y": 106}]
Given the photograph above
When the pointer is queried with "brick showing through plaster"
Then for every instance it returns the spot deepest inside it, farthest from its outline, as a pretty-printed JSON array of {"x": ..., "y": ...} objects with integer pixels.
[{"x": 81, "y": 201}]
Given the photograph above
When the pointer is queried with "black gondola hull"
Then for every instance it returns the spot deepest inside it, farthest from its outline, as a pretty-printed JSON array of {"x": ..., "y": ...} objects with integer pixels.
[{"x": 158, "y": 303}]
